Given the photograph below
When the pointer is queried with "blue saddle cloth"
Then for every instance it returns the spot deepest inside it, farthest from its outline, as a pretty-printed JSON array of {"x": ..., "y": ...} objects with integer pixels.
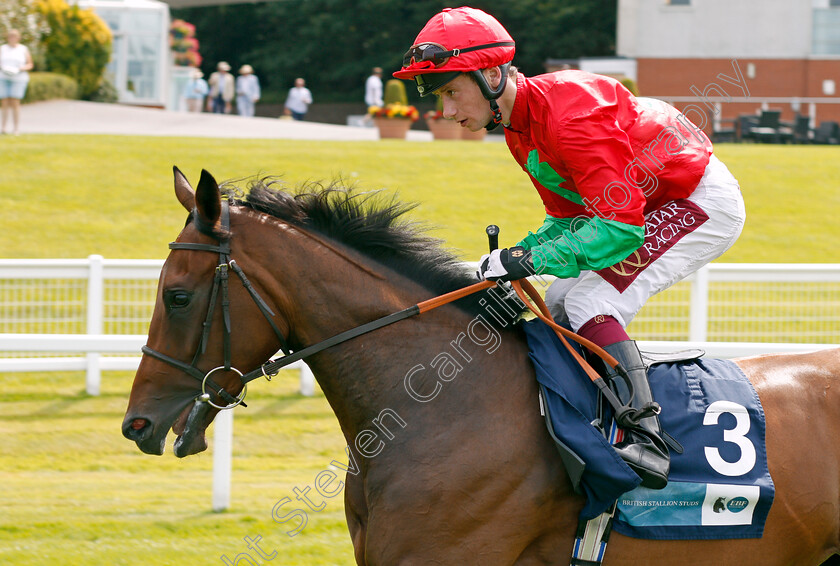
[
  {"x": 572, "y": 403},
  {"x": 719, "y": 487}
]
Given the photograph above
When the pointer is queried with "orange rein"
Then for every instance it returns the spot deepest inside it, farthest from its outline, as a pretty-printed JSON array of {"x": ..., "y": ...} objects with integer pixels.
[
  {"x": 524, "y": 288},
  {"x": 441, "y": 300}
]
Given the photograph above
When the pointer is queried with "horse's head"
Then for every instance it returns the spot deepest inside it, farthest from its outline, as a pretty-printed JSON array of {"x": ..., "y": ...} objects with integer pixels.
[{"x": 204, "y": 326}]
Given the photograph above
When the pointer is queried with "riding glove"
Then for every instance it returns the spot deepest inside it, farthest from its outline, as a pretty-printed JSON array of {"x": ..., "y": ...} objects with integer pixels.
[{"x": 506, "y": 264}]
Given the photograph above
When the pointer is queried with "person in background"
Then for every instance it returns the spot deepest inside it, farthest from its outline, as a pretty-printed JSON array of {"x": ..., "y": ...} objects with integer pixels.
[
  {"x": 298, "y": 100},
  {"x": 15, "y": 61},
  {"x": 247, "y": 91},
  {"x": 195, "y": 90},
  {"x": 222, "y": 89},
  {"x": 373, "y": 88}
]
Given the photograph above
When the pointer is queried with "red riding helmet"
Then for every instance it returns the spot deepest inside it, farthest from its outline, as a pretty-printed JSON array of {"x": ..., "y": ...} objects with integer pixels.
[{"x": 454, "y": 41}]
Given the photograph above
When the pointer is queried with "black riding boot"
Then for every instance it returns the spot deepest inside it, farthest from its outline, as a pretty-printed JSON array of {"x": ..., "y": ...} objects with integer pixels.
[{"x": 642, "y": 447}]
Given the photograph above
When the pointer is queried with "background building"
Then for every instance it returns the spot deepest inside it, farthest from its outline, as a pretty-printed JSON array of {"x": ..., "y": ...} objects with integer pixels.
[
  {"x": 787, "y": 50},
  {"x": 140, "y": 65}
]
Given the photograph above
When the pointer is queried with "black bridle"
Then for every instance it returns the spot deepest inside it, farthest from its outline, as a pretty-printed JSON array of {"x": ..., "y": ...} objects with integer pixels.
[
  {"x": 220, "y": 283},
  {"x": 269, "y": 368}
]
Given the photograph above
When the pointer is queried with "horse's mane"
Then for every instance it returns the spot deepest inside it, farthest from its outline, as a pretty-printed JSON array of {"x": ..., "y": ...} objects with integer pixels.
[{"x": 369, "y": 222}]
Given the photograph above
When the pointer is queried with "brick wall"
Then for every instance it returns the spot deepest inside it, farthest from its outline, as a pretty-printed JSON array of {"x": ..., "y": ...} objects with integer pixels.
[{"x": 773, "y": 78}]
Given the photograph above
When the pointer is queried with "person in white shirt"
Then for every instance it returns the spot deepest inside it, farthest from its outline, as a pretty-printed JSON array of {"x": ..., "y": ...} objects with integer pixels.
[
  {"x": 222, "y": 89},
  {"x": 373, "y": 88},
  {"x": 247, "y": 91},
  {"x": 15, "y": 61},
  {"x": 298, "y": 100}
]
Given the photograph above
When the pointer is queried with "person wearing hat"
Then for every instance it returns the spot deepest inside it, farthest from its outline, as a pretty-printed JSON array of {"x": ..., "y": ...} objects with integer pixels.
[
  {"x": 634, "y": 198},
  {"x": 222, "y": 90},
  {"x": 374, "y": 89},
  {"x": 195, "y": 90},
  {"x": 247, "y": 91}
]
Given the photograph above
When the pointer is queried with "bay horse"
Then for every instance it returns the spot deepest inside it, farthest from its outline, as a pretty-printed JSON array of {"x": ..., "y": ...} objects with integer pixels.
[{"x": 454, "y": 463}]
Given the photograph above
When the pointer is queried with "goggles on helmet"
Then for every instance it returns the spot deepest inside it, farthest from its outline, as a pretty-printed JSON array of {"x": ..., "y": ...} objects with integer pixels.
[
  {"x": 426, "y": 52},
  {"x": 438, "y": 55}
]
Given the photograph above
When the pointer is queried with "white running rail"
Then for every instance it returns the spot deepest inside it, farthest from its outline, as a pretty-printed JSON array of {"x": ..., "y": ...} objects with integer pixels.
[{"x": 99, "y": 309}]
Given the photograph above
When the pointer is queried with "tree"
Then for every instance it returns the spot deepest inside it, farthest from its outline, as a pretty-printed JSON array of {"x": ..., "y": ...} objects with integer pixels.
[
  {"x": 333, "y": 44},
  {"x": 78, "y": 45}
]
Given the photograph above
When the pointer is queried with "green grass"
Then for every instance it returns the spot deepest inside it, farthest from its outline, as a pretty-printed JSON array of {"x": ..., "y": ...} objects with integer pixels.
[
  {"x": 792, "y": 195},
  {"x": 72, "y": 196},
  {"x": 77, "y": 493}
]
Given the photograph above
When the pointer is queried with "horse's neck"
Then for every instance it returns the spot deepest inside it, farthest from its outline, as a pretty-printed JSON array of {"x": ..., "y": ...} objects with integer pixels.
[
  {"x": 435, "y": 369},
  {"x": 402, "y": 366},
  {"x": 367, "y": 375},
  {"x": 446, "y": 359}
]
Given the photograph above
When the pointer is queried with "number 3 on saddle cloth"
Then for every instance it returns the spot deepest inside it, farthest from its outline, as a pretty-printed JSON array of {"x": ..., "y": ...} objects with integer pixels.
[{"x": 719, "y": 486}]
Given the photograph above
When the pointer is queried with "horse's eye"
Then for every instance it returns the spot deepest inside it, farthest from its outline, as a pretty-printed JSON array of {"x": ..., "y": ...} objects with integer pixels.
[{"x": 178, "y": 299}]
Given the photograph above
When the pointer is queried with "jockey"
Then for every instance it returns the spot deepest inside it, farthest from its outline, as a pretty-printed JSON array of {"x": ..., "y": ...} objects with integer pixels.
[{"x": 634, "y": 198}]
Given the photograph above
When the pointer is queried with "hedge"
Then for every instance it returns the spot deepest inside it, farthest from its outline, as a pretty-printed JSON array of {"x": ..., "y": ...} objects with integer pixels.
[{"x": 47, "y": 86}]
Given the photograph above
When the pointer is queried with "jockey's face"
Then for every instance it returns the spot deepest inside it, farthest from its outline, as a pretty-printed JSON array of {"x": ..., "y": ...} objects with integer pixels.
[{"x": 464, "y": 103}]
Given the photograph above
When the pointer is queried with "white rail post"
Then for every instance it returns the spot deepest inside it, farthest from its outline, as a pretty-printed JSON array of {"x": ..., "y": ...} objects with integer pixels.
[
  {"x": 95, "y": 301},
  {"x": 307, "y": 381},
  {"x": 699, "y": 309},
  {"x": 222, "y": 459}
]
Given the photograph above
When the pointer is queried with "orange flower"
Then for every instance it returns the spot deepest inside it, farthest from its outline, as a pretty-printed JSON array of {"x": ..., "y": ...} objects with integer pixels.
[{"x": 395, "y": 111}]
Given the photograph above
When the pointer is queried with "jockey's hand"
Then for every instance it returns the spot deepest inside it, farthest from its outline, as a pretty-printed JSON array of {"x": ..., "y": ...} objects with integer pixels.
[{"x": 506, "y": 264}]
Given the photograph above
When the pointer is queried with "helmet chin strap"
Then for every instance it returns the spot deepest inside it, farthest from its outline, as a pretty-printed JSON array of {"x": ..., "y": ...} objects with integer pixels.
[
  {"x": 497, "y": 116},
  {"x": 491, "y": 94}
]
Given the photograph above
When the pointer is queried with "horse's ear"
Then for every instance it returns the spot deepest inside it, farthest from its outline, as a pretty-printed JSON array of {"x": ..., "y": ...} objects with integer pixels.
[
  {"x": 208, "y": 199},
  {"x": 183, "y": 190}
]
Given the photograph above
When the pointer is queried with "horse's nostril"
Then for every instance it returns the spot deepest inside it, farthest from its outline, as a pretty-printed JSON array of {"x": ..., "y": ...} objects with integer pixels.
[{"x": 137, "y": 429}]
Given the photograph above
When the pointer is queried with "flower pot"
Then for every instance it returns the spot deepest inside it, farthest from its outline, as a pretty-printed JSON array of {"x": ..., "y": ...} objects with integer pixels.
[
  {"x": 394, "y": 128},
  {"x": 444, "y": 129},
  {"x": 474, "y": 136}
]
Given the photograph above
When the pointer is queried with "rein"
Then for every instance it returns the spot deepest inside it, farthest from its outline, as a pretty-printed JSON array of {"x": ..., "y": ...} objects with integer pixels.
[{"x": 523, "y": 288}]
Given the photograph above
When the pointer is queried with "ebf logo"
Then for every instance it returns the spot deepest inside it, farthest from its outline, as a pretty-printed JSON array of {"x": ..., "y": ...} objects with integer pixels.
[
  {"x": 729, "y": 504},
  {"x": 734, "y": 505},
  {"x": 737, "y": 504}
]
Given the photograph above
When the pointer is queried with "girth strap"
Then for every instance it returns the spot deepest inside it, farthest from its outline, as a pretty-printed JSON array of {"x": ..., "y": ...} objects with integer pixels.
[{"x": 591, "y": 539}]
